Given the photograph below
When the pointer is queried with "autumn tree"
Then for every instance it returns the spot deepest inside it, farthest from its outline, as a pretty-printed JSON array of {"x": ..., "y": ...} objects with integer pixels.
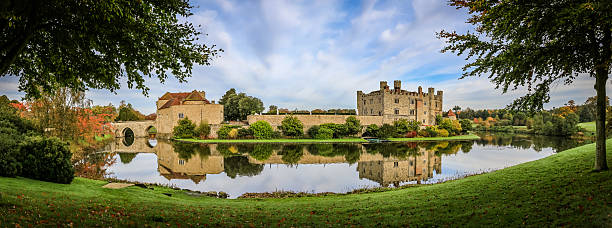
[
  {"x": 77, "y": 44},
  {"x": 535, "y": 44}
]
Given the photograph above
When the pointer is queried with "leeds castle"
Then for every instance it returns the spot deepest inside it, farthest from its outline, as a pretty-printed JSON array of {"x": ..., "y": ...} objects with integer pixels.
[
  {"x": 394, "y": 104},
  {"x": 383, "y": 106}
]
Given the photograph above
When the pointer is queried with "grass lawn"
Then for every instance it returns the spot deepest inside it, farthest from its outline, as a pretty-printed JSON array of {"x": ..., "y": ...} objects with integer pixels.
[
  {"x": 346, "y": 140},
  {"x": 458, "y": 137},
  {"x": 559, "y": 190},
  {"x": 589, "y": 126}
]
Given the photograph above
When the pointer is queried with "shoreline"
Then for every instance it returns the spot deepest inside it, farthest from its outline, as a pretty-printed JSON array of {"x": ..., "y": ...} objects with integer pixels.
[{"x": 344, "y": 140}]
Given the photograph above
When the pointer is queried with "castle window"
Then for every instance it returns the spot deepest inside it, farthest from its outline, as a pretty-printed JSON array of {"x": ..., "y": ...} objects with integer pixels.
[
  {"x": 411, "y": 111},
  {"x": 379, "y": 113},
  {"x": 181, "y": 116},
  {"x": 423, "y": 121},
  {"x": 396, "y": 100},
  {"x": 364, "y": 101},
  {"x": 395, "y": 164},
  {"x": 396, "y": 111},
  {"x": 425, "y": 112},
  {"x": 436, "y": 104},
  {"x": 411, "y": 101},
  {"x": 371, "y": 112},
  {"x": 371, "y": 101},
  {"x": 425, "y": 103},
  {"x": 181, "y": 162}
]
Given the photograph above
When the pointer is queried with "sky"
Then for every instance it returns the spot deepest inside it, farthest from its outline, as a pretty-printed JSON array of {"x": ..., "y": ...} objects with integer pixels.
[{"x": 317, "y": 53}]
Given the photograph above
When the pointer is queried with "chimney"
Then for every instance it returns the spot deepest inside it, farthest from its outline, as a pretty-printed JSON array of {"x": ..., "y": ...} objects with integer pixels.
[
  {"x": 383, "y": 85},
  {"x": 397, "y": 85},
  {"x": 420, "y": 91}
]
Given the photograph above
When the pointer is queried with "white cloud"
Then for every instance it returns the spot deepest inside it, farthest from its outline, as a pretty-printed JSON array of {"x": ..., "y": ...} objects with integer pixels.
[{"x": 317, "y": 54}]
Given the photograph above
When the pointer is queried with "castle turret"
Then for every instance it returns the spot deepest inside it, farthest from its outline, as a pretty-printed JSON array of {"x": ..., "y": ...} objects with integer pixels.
[
  {"x": 397, "y": 85},
  {"x": 420, "y": 91},
  {"x": 383, "y": 85},
  {"x": 430, "y": 91}
]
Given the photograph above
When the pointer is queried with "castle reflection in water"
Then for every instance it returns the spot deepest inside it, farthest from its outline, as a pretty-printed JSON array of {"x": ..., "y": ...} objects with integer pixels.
[{"x": 385, "y": 163}]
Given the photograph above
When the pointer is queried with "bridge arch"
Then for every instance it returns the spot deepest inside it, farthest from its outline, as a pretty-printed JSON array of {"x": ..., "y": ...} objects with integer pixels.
[{"x": 138, "y": 128}]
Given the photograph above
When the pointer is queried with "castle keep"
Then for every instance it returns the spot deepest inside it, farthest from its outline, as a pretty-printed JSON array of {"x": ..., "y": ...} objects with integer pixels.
[{"x": 394, "y": 104}]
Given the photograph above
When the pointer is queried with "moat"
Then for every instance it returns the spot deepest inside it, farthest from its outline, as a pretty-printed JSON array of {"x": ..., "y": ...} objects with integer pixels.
[{"x": 240, "y": 168}]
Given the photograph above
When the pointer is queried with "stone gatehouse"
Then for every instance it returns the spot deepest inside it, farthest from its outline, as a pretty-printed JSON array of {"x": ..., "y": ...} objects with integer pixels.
[
  {"x": 394, "y": 104},
  {"x": 171, "y": 107}
]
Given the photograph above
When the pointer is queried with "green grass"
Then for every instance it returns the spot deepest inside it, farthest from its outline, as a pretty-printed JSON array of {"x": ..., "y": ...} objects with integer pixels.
[
  {"x": 345, "y": 140},
  {"x": 588, "y": 126},
  {"x": 559, "y": 190},
  {"x": 458, "y": 137}
]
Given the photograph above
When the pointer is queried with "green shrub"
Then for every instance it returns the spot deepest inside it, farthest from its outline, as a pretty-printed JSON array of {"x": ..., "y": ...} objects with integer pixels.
[
  {"x": 466, "y": 125},
  {"x": 245, "y": 133},
  {"x": 276, "y": 135},
  {"x": 9, "y": 151},
  {"x": 371, "y": 131},
  {"x": 224, "y": 131},
  {"x": 292, "y": 126},
  {"x": 313, "y": 131},
  {"x": 340, "y": 130},
  {"x": 262, "y": 130},
  {"x": 325, "y": 133},
  {"x": 353, "y": 125},
  {"x": 185, "y": 129},
  {"x": 404, "y": 126},
  {"x": 46, "y": 159},
  {"x": 203, "y": 130},
  {"x": 442, "y": 133},
  {"x": 386, "y": 131},
  {"x": 432, "y": 131}
]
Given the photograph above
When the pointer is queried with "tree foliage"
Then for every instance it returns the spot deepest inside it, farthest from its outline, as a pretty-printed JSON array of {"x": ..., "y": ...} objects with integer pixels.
[
  {"x": 262, "y": 130},
  {"x": 535, "y": 44},
  {"x": 239, "y": 106},
  {"x": 292, "y": 126},
  {"x": 184, "y": 130},
  {"x": 98, "y": 44}
]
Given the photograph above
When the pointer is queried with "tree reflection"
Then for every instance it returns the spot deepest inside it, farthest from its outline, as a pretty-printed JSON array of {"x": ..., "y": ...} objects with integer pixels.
[
  {"x": 240, "y": 166},
  {"x": 126, "y": 158},
  {"x": 262, "y": 152},
  {"x": 187, "y": 150},
  {"x": 292, "y": 153}
]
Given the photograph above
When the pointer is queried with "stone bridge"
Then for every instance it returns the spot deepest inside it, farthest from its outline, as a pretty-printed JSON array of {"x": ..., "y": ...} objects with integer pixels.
[{"x": 137, "y": 128}]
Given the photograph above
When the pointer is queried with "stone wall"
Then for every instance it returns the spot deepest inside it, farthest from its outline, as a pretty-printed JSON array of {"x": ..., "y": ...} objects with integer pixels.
[{"x": 311, "y": 120}]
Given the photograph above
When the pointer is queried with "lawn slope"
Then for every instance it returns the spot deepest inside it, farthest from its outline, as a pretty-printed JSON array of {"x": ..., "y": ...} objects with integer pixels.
[{"x": 557, "y": 190}]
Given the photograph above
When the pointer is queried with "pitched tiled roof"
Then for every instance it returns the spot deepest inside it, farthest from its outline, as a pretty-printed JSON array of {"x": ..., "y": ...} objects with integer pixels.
[
  {"x": 451, "y": 113},
  {"x": 179, "y": 98}
]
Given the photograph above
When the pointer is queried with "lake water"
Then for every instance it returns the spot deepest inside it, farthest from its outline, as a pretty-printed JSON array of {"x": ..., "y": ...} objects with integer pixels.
[{"x": 241, "y": 168}]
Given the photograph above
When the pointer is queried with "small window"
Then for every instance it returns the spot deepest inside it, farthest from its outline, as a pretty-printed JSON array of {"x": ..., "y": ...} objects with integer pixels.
[
  {"x": 411, "y": 111},
  {"x": 425, "y": 103},
  {"x": 395, "y": 164},
  {"x": 181, "y": 116},
  {"x": 181, "y": 162},
  {"x": 379, "y": 113},
  {"x": 411, "y": 101},
  {"x": 364, "y": 101},
  {"x": 396, "y": 111},
  {"x": 423, "y": 121},
  {"x": 436, "y": 104},
  {"x": 425, "y": 112},
  {"x": 371, "y": 112},
  {"x": 396, "y": 100}
]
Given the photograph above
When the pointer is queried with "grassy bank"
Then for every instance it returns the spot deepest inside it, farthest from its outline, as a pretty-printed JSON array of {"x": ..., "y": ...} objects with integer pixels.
[
  {"x": 451, "y": 138},
  {"x": 346, "y": 140},
  {"x": 554, "y": 191}
]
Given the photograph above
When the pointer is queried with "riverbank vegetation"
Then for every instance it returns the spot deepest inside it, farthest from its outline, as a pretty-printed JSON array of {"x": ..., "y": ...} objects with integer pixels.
[{"x": 559, "y": 190}]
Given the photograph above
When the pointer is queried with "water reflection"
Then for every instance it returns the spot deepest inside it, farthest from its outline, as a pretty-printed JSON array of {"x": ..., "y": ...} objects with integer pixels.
[{"x": 240, "y": 168}]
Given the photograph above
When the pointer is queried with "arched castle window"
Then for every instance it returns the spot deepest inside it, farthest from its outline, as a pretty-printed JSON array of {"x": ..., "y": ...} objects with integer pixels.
[{"x": 396, "y": 100}]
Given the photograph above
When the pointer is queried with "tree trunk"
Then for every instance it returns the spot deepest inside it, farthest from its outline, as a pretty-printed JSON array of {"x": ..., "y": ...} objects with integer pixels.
[{"x": 600, "y": 122}]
